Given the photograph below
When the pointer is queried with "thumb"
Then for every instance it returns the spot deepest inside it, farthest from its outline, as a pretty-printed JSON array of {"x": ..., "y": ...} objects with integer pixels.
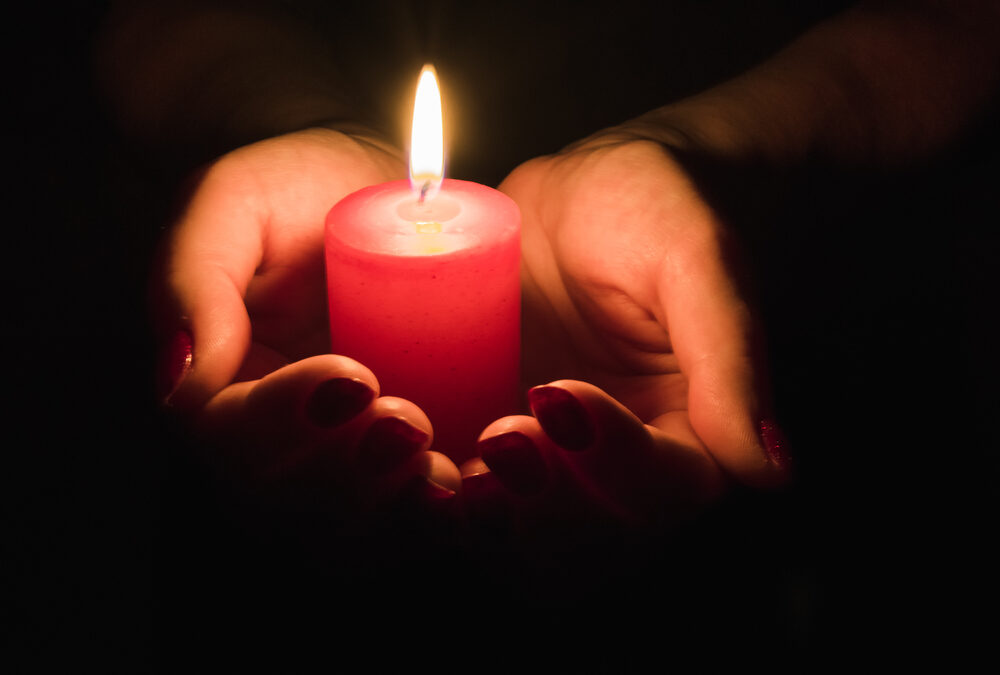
[
  {"x": 715, "y": 341},
  {"x": 209, "y": 260}
]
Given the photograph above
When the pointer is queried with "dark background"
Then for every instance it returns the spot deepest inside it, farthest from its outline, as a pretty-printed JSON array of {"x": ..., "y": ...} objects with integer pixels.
[{"x": 878, "y": 292}]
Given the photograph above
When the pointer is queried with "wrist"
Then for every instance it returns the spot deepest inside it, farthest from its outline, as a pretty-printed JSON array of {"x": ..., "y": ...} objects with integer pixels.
[
  {"x": 689, "y": 127},
  {"x": 367, "y": 135}
]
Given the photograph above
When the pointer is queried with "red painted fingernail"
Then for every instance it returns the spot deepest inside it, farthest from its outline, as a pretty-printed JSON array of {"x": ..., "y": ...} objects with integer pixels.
[
  {"x": 515, "y": 460},
  {"x": 562, "y": 417},
  {"x": 389, "y": 442},
  {"x": 175, "y": 363},
  {"x": 421, "y": 502},
  {"x": 336, "y": 401},
  {"x": 775, "y": 443},
  {"x": 423, "y": 490}
]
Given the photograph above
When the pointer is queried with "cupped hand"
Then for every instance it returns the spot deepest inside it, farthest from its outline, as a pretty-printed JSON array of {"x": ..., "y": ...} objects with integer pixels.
[
  {"x": 653, "y": 397},
  {"x": 243, "y": 301}
]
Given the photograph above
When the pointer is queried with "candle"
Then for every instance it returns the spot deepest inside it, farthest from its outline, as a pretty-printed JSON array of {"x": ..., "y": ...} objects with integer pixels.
[{"x": 423, "y": 286}]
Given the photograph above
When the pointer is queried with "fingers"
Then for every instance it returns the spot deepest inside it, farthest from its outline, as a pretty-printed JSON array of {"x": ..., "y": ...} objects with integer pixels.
[
  {"x": 584, "y": 447},
  {"x": 612, "y": 446},
  {"x": 713, "y": 337},
  {"x": 321, "y": 420},
  {"x": 517, "y": 452},
  {"x": 394, "y": 453},
  {"x": 264, "y": 425},
  {"x": 437, "y": 479}
]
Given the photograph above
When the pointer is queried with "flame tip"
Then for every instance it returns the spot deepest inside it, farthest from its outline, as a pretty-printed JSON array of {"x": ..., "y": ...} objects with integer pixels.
[{"x": 426, "y": 144}]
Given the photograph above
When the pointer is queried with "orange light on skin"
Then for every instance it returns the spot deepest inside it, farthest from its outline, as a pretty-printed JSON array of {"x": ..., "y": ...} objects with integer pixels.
[{"x": 427, "y": 138}]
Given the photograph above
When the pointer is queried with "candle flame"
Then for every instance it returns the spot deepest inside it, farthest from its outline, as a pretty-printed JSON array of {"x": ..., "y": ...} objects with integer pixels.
[{"x": 426, "y": 140}]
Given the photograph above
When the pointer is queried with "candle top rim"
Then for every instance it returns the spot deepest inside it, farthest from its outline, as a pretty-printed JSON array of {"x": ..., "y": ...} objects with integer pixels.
[{"x": 367, "y": 221}]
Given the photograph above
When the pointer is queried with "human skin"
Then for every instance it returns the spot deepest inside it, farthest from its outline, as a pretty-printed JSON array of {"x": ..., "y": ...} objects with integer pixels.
[
  {"x": 631, "y": 304},
  {"x": 628, "y": 275}
]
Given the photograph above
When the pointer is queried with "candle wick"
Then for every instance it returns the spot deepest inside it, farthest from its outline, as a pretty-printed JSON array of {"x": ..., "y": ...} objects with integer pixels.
[{"x": 423, "y": 191}]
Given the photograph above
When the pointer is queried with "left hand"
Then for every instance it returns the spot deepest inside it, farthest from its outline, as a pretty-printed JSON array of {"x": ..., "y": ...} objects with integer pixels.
[
  {"x": 628, "y": 291},
  {"x": 243, "y": 294}
]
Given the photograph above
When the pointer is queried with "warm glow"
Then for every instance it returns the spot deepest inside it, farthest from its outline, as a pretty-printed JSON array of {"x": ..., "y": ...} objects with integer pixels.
[{"x": 426, "y": 144}]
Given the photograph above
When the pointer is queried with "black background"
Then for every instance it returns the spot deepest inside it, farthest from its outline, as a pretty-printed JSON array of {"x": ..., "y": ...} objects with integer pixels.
[{"x": 878, "y": 292}]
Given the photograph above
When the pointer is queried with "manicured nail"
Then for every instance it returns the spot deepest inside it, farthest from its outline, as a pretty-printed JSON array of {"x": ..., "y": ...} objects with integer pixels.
[
  {"x": 775, "y": 443},
  {"x": 515, "y": 460},
  {"x": 422, "y": 503},
  {"x": 175, "y": 363},
  {"x": 562, "y": 417},
  {"x": 388, "y": 443},
  {"x": 424, "y": 491},
  {"x": 338, "y": 400}
]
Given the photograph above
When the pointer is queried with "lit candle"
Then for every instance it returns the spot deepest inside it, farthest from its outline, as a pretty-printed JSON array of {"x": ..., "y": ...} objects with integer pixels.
[{"x": 423, "y": 282}]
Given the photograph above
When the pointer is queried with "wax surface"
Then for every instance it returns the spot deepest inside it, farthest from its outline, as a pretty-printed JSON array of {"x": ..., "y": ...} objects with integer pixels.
[{"x": 428, "y": 297}]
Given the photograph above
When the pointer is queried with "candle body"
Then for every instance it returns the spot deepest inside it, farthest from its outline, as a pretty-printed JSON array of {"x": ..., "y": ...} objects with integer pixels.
[{"x": 428, "y": 297}]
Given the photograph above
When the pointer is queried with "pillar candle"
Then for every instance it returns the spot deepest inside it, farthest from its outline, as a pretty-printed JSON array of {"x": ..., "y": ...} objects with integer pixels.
[{"x": 423, "y": 287}]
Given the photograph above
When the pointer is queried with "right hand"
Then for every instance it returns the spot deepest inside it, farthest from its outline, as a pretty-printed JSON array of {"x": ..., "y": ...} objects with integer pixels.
[
  {"x": 653, "y": 398},
  {"x": 243, "y": 305}
]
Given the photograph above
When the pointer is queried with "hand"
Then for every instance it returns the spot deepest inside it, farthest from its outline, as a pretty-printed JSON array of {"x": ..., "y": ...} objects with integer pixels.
[
  {"x": 244, "y": 297},
  {"x": 628, "y": 292}
]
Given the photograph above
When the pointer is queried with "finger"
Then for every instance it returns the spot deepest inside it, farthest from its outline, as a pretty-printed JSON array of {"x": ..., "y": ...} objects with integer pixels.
[
  {"x": 270, "y": 425},
  {"x": 441, "y": 479},
  {"x": 713, "y": 336},
  {"x": 583, "y": 450},
  {"x": 394, "y": 457},
  {"x": 512, "y": 485},
  {"x": 598, "y": 432},
  {"x": 212, "y": 255},
  {"x": 518, "y": 453},
  {"x": 643, "y": 468},
  {"x": 399, "y": 429}
]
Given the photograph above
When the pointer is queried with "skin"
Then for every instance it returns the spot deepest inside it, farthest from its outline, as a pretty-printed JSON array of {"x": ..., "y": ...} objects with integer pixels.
[
  {"x": 626, "y": 291},
  {"x": 630, "y": 300},
  {"x": 245, "y": 269},
  {"x": 244, "y": 277},
  {"x": 628, "y": 277}
]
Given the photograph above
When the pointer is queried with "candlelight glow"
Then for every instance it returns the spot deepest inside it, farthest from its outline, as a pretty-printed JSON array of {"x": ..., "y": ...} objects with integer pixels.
[{"x": 426, "y": 142}]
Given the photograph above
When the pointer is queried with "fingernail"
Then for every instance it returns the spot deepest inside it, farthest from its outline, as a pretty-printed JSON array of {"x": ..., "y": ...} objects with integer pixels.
[
  {"x": 425, "y": 491},
  {"x": 562, "y": 417},
  {"x": 515, "y": 460},
  {"x": 388, "y": 443},
  {"x": 421, "y": 505},
  {"x": 175, "y": 363},
  {"x": 775, "y": 443},
  {"x": 338, "y": 400}
]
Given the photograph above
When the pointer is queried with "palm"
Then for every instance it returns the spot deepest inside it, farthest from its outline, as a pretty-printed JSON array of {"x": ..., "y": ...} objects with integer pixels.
[
  {"x": 294, "y": 181},
  {"x": 245, "y": 274},
  {"x": 596, "y": 232}
]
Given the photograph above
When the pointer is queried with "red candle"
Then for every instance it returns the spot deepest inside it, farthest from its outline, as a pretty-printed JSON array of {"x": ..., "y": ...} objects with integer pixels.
[{"x": 423, "y": 283}]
